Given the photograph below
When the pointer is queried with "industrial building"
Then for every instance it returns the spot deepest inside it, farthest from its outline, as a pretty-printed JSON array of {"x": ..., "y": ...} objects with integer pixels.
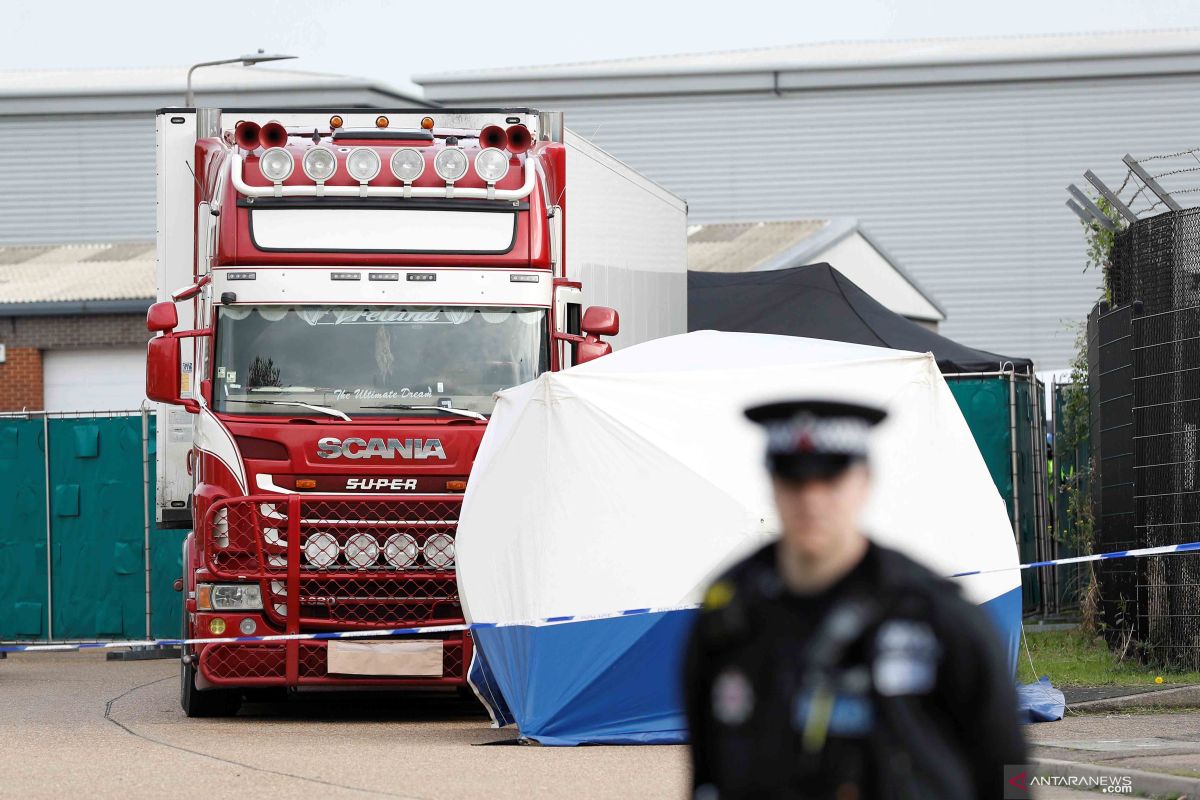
[
  {"x": 955, "y": 154},
  {"x": 77, "y": 217}
]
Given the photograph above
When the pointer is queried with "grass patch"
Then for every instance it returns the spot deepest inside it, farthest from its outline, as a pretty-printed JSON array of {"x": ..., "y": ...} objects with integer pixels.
[{"x": 1073, "y": 658}]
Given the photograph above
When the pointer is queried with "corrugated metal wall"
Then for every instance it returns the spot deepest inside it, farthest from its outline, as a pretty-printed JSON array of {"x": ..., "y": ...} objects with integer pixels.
[
  {"x": 76, "y": 178},
  {"x": 963, "y": 184}
]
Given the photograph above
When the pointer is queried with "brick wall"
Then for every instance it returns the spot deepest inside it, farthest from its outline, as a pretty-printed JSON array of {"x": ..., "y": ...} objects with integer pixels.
[
  {"x": 21, "y": 385},
  {"x": 65, "y": 332},
  {"x": 21, "y": 379}
]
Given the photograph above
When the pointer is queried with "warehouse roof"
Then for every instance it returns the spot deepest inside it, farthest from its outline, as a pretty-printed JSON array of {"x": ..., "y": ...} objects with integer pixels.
[
  {"x": 840, "y": 63},
  {"x": 42, "y": 91},
  {"x": 58, "y": 279},
  {"x": 776, "y": 245}
]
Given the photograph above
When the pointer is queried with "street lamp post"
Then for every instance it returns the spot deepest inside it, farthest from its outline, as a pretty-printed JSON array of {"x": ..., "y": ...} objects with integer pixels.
[{"x": 246, "y": 61}]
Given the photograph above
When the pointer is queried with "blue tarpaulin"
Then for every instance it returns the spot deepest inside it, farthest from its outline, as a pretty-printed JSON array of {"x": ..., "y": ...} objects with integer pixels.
[{"x": 1040, "y": 702}]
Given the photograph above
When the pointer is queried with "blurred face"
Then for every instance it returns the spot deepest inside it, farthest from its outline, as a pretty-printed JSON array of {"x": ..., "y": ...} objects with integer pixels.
[{"x": 820, "y": 516}]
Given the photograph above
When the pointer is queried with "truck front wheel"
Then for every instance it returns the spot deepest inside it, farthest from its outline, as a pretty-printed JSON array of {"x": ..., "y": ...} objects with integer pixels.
[
  {"x": 197, "y": 703},
  {"x": 206, "y": 703}
]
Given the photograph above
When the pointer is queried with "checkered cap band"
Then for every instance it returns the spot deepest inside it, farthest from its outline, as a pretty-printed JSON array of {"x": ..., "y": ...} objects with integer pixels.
[{"x": 809, "y": 434}]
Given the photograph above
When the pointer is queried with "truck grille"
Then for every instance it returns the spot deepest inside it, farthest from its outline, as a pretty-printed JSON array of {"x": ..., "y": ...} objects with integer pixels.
[{"x": 360, "y": 563}]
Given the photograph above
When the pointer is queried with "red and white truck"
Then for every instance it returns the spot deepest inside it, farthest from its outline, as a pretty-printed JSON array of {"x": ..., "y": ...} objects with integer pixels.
[{"x": 341, "y": 292}]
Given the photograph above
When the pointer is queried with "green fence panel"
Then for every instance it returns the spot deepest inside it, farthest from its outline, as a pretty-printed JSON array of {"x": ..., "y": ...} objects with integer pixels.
[
  {"x": 98, "y": 498},
  {"x": 23, "y": 598},
  {"x": 984, "y": 403},
  {"x": 97, "y": 527},
  {"x": 166, "y": 564}
]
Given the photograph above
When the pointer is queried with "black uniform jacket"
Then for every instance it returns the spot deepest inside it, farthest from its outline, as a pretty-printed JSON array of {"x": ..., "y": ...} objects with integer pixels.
[{"x": 887, "y": 685}]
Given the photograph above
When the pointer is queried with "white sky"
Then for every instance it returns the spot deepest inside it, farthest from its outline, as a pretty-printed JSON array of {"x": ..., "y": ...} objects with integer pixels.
[{"x": 390, "y": 41}]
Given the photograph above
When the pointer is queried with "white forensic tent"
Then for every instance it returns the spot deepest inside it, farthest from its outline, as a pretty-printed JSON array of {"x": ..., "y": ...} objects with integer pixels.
[{"x": 626, "y": 483}]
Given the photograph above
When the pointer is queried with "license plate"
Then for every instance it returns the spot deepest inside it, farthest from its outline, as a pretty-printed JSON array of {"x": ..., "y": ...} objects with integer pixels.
[{"x": 419, "y": 658}]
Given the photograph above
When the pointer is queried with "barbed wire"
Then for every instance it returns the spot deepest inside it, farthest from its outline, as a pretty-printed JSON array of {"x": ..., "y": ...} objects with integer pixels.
[{"x": 1178, "y": 179}]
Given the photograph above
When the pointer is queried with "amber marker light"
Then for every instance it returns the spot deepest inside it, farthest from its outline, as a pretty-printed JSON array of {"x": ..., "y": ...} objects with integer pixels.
[
  {"x": 204, "y": 597},
  {"x": 456, "y": 486},
  {"x": 336, "y": 122},
  {"x": 305, "y": 483},
  {"x": 381, "y": 122},
  {"x": 427, "y": 123}
]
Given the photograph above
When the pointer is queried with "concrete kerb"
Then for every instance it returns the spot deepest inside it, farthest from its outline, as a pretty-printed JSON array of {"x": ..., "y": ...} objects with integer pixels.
[
  {"x": 1154, "y": 784},
  {"x": 1177, "y": 697}
]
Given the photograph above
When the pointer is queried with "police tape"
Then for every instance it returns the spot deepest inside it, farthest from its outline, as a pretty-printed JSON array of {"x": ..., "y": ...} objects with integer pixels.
[
  {"x": 331, "y": 635},
  {"x": 1059, "y": 562},
  {"x": 1170, "y": 549}
]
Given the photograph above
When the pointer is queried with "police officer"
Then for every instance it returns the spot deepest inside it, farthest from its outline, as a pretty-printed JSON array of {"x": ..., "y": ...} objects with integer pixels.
[{"x": 828, "y": 666}]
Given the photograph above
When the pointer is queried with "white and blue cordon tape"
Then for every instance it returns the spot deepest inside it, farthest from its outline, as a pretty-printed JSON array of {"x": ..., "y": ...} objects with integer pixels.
[{"x": 1170, "y": 549}]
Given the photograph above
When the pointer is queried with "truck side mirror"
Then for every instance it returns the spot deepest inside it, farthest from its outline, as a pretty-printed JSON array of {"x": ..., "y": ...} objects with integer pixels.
[
  {"x": 601, "y": 321},
  {"x": 597, "y": 321},
  {"x": 162, "y": 317},
  {"x": 162, "y": 372}
]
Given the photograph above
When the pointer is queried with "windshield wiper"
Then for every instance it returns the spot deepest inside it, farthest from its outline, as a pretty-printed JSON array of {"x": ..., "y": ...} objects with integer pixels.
[
  {"x": 461, "y": 412},
  {"x": 333, "y": 412}
]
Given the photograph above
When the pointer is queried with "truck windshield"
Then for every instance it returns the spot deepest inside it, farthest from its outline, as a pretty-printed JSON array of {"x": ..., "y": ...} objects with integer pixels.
[{"x": 356, "y": 359}]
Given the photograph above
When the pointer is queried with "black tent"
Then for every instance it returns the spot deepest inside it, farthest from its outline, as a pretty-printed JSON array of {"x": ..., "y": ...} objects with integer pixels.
[{"x": 819, "y": 302}]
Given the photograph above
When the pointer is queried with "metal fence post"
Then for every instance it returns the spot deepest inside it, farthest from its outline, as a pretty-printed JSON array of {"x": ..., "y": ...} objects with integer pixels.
[
  {"x": 49, "y": 521},
  {"x": 1012, "y": 449},
  {"x": 146, "y": 512}
]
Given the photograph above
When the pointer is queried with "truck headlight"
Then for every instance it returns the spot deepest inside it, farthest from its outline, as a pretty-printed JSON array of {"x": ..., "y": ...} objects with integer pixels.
[
  {"x": 361, "y": 550},
  {"x": 319, "y": 164},
  {"x": 362, "y": 164},
  {"x": 439, "y": 551},
  {"x": 228, "y": 597},
  {"x": 321, "y": 549},
  {"x": 220, "y": 527},
  {"x": 276, "y": 164},
  {"x": 451, "y": 164},
  {"x": 400, "y": 550},
  {"x": 407, "y": 164},
  {"x": 491, "y": 164}
]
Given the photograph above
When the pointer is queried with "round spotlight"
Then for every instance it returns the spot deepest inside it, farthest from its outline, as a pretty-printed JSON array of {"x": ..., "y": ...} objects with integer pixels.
[
  {"x": 491, "y": 164},
  {"x": 400, "y": 550},
  {"x": 216, "y": 626},
  {"x": 362, "y": 164},
  {"x": 247, "y": 627},
  {"x": 321, "y": 550},
  {"x": 276, "y": 164},
  {"x": 439, "y": 551},
  {"x": 451, "y": 164},
  {"x": 319, "y": 164},
  {"x": 362, "y": 550},
  {"x": 407, "y": 164}
]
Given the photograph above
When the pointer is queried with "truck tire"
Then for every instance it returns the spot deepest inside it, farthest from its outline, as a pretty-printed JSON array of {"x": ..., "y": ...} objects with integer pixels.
[{"x": 208, "y": 702}]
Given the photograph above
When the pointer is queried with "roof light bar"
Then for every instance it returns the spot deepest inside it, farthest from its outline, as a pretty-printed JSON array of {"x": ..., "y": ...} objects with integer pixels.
[{"x": 237, "y": 164}]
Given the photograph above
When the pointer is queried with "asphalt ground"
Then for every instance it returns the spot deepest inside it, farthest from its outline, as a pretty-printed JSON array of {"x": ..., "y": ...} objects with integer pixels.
[
  {"x": 1153, "y": 742},
  {"x": 73, "y": 723}
]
